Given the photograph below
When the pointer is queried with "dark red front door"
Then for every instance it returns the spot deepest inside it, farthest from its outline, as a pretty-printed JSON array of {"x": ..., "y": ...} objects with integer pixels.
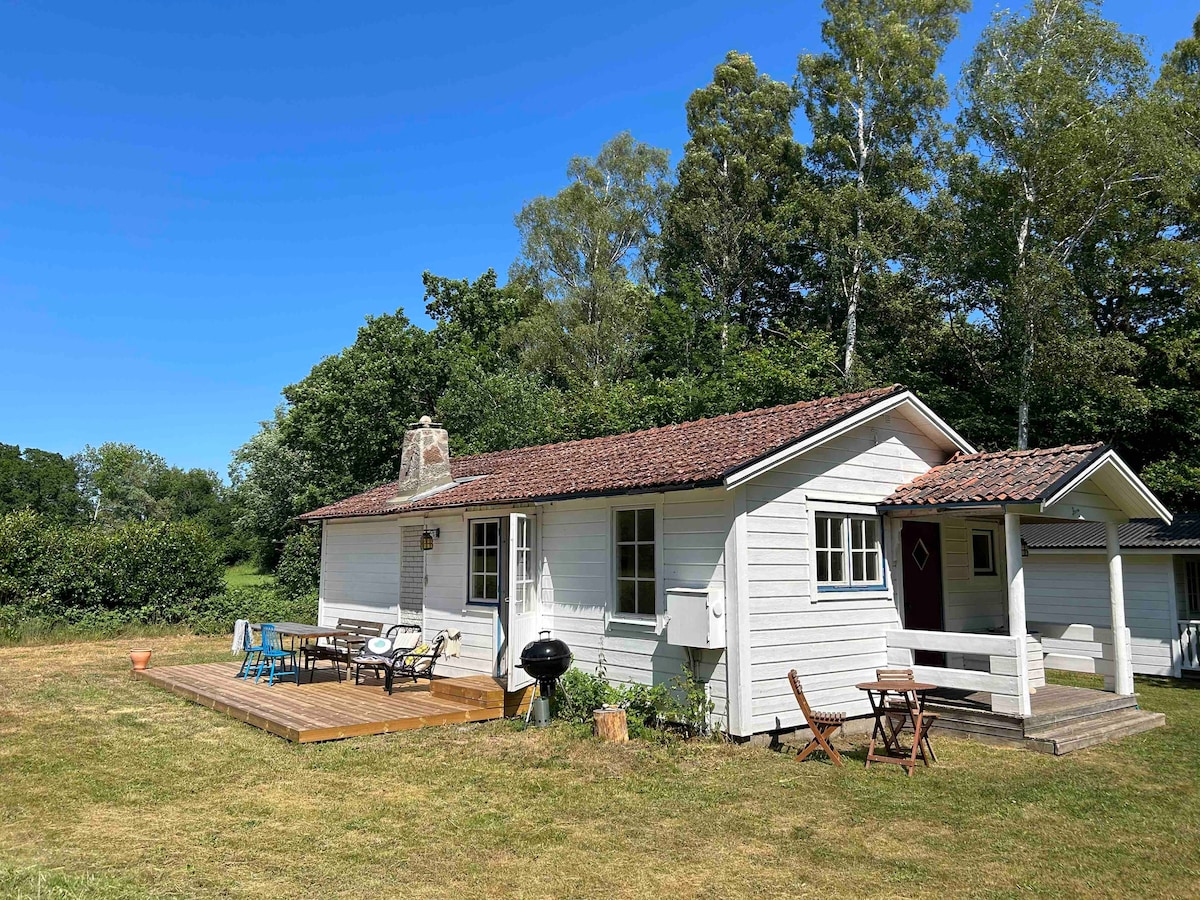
[{"x": 921, "y": 547}]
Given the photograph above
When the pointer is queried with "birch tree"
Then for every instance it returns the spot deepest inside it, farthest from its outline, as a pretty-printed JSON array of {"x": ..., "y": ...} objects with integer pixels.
[
  {"x": 1065, "y": 141},
  {"x": 874, "y": 100}
]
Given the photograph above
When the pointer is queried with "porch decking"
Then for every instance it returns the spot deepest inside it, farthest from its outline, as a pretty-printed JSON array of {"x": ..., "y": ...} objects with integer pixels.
[
  {"x": 1063, "y": 718},
  {"x": 326, "y": 710}
]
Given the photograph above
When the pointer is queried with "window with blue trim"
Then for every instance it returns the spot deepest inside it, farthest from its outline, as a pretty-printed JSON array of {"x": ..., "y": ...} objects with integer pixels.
[{"x": 848, "y": 551}]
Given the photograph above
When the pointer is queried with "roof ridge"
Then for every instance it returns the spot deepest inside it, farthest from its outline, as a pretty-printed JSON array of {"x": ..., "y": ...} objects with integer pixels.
[
  {"x": 1031, "y": 451},
  {"x": 741, "y": 414}
]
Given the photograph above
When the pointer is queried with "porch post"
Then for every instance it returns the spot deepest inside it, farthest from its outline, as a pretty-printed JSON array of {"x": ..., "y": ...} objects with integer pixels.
[
  {"x": 1116, "y": 599},
  {"x": 1016, "y": 605}
]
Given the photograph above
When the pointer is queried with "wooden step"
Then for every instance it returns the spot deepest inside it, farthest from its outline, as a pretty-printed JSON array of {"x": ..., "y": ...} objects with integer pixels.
[
  {"x": 1109, "y": 704},
  {"x": 1076, "y": 734},
  {"x": 482, "y": 691}
]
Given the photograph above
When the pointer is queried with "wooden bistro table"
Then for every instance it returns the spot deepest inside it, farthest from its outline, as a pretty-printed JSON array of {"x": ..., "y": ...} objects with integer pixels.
[
  {"x": 890, "y": 721},
  {"x": 298, "y": 631}
]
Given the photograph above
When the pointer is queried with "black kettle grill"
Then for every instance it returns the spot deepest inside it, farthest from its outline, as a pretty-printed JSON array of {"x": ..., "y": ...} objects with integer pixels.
[{"x": 546, "y": 660}]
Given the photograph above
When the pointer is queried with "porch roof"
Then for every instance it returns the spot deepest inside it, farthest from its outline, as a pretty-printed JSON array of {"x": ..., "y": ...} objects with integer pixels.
[
  {"x": 1182, "y": 533},
  {"x": 1041, "y": 477}
]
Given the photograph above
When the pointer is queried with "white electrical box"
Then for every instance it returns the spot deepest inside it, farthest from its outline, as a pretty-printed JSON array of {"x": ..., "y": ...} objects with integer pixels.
[{"x": 695, "y": 619}]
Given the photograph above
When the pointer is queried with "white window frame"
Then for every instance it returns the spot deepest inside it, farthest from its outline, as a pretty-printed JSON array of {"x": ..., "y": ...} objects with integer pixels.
[
  {"x": 500, "y": 561},
  {"x": 651, "y": 620},
  {"x": 993, "y": 543},
  {"x": 847, "y": 589},
  {"x": 1191, "y": 596}
]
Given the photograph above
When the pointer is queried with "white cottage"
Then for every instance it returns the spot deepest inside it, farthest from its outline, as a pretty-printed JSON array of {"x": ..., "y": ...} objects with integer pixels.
[{"x": 832, "y": 536}]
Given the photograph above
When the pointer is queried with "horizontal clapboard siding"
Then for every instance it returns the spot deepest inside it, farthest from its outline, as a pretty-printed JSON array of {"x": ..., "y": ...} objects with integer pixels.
[
  {"x": 360, "y": 571},
  {"x": 973, "y": 603},
  {"x": 445, "y": 601},
  {"x": 577, "y": 585},
  {"x": 833, "y": 642},
  {"x": 1073, "y": 588}
]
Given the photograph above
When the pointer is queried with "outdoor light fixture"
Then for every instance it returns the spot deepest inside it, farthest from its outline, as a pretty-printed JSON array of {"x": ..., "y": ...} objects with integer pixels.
[{"x": 428, "y": 537}]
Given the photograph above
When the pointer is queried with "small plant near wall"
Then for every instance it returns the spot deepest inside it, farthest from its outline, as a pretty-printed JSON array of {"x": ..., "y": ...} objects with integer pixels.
[{"x": 680, "y": 706}]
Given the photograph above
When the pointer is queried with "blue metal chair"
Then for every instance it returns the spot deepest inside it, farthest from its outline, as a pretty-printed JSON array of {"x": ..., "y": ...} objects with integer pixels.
[
  {"x": 272, "y": 651},
  {"x": 251, "y": 651}
]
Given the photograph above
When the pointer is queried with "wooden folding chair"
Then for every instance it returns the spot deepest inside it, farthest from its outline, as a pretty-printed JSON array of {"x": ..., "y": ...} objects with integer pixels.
[
  {"x": 902, "y": 714},
  {"x": 822, "y": 724}
]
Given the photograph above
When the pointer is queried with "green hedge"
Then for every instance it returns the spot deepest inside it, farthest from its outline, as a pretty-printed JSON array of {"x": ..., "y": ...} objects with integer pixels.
[{"x": 146, "y": 571}]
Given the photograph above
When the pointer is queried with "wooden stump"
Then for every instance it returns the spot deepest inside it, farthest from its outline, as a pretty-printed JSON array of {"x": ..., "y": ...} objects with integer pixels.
[{"x": 610, "y": 725}]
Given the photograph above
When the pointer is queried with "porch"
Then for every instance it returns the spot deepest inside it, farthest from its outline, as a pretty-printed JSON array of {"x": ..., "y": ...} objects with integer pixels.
[
  {"x": 327, "y": 710},
  {"x": 971, "y": 626}
]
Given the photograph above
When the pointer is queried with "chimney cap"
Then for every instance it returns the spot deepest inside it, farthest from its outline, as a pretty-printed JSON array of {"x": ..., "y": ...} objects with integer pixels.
[{"x": 424, "y": 422}]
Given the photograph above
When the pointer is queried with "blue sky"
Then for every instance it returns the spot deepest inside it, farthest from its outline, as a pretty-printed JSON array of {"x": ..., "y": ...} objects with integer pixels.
[{"x": 200, "y": 201}]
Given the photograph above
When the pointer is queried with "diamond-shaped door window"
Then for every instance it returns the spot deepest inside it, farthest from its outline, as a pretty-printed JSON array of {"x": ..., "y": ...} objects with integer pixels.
[{"x": 920, "y": 554}]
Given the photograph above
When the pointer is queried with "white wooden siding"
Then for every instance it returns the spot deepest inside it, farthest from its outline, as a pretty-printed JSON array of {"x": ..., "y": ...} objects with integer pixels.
[
  {"x": 1073, "y": 588},
  {"x": 577, "y": 576},
  {"x": 446, "y": 604},
  {"x": 360, "y": 570},
  {"x": 972, "y": 602},
  {"x": 834, "y": 642}
]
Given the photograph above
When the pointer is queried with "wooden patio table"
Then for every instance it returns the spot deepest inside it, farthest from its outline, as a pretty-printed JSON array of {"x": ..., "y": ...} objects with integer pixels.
[
  {"x": 912, "y": 695},
  {"x": 304, "y": 632}
]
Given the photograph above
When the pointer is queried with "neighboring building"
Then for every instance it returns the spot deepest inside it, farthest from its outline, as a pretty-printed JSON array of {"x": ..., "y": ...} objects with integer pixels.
[
  {"x": 1162, "y": 588},
  {"x": 832, "y": 537}
]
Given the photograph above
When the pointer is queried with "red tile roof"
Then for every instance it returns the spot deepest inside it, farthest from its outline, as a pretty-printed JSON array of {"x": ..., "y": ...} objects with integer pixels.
[
  {"x": 674, "y": 457},
  {"x": 1009, "y": 476}
]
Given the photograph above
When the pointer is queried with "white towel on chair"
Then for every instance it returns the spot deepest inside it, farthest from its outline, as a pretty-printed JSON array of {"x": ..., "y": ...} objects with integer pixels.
[
  {"x": 453, "y": 643},
  {"x": 240, "y": 627}
]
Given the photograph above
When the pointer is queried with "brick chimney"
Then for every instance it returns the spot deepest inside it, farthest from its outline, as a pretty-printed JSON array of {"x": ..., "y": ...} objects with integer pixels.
[{"x": 424, "y": 459}]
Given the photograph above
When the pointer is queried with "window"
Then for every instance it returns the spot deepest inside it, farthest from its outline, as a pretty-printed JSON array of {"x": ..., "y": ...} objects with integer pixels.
[
  {"x": 637, "y": 586},
  {"x": 983, "y": 552},
  {"x": 1191, "y": 586},
  {"x": 848, "y": 551},
  {"x": 485, "y": 561}
]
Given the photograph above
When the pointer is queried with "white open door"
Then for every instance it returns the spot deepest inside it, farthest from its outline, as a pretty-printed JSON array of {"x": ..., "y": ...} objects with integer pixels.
[{"x": 522, "y": 625}]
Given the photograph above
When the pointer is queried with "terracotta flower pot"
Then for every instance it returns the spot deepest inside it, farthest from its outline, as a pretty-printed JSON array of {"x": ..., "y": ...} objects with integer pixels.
[{"x": 140, "y": 659}]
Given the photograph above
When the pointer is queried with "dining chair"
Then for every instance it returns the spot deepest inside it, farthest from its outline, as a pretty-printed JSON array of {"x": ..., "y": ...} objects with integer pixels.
[{"x": 822, "y": 724}]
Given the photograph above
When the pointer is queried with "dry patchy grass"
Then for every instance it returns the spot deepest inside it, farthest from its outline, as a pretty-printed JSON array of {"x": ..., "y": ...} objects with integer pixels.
[{"x": 110, "y": 788}]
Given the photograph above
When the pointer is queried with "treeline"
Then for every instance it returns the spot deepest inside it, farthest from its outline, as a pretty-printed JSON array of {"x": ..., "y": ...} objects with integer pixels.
[
  {"x": 117, "y": 484},
  {"x": 1029, "y": 266}
]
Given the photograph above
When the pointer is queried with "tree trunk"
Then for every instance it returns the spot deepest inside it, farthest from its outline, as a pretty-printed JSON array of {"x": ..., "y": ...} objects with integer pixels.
[{"x": 610, "y": 724}]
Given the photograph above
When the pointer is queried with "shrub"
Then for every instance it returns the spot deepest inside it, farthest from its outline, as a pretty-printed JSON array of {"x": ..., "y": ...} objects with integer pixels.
[
  {"x": 299, "y": 568},
  {"x": 681, "y": 704},
  {"x": 143, "y": 571},
  {"x": 258, "y": 603}
]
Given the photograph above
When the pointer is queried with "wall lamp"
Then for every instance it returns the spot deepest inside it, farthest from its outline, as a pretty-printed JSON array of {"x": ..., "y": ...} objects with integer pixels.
[{"x": 428, "y": 537}]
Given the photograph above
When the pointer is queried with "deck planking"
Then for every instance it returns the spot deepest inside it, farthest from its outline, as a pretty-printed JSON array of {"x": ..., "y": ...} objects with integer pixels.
[{"x": 327, "y": 710}]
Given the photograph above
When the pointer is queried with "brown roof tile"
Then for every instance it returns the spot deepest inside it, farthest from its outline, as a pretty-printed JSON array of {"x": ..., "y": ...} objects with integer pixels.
[
  {"x": 673, "y": 457},
  {"x": 1009, "y": 476}
]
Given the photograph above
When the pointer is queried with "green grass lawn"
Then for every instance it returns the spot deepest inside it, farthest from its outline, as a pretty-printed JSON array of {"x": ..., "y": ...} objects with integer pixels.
[
  {"x": 111, "y": 788},
  {"x": 247, "y": 575}
]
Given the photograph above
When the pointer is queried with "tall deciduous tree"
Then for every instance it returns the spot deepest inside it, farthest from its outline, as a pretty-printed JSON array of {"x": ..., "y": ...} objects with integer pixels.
[
  {"x": 874, "y": 100},
  {"x": 592, "y": 250},
  {"x": 723, "y": 239},
  {"x": 1055, "y": 103}
]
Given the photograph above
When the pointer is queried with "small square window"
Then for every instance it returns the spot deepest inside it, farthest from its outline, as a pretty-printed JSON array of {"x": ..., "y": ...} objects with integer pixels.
[{"x": 983, "y": 552}]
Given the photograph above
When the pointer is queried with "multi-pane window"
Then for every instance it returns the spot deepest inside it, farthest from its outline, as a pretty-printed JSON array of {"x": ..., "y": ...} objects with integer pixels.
[
  {"x": 485, "y": 561},
  {"x": 983, "y": 552},
  {"x": 523, "y": 587},
  {"x": 637, "y": 587},
  {"x": 1191, "y": 587},
  {"x": 847, "y": 550}
]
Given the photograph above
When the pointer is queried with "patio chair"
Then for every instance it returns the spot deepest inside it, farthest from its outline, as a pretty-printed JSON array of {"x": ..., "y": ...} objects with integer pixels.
[
  {"x": 273, "y": 651},
  {"x": 377, "y": 653},
  {"x": 822, "y": 724},
  {"x": 250, "y": 650},
  {"x": 418, "y": 663},
  {"x": 902, "y": 714}
]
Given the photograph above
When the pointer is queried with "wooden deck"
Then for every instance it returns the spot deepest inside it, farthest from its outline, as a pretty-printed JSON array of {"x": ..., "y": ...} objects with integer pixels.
[
  {"x": 326, "y": 710},
  {"x": 1062, "y": 718}
]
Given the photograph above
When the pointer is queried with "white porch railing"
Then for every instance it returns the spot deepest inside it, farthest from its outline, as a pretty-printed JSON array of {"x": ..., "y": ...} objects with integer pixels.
[
  {"x": 1189, "y": 643},
  {"x": 1004, "y": 655},
  {"x": 1080, "y": 648}
]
